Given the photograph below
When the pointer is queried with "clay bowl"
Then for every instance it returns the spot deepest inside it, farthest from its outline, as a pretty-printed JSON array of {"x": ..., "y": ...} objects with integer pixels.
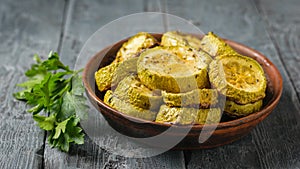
[{"x": 227, "y": 131}]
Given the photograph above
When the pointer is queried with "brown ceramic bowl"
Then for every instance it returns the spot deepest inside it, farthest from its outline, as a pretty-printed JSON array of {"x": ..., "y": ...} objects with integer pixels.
[{"x": 227, "y": 131}]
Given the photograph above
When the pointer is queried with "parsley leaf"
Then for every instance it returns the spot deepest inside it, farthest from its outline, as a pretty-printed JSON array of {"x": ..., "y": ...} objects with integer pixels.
[
  {"x": 74, "y": 101},
  {"x": 46, "y": 123},
  {"x": 55, "y": 90}
]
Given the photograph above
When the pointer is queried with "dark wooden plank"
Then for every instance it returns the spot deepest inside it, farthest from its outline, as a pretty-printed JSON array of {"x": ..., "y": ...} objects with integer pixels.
[
  {"x": 82, "y": 19},
  {"x": 283, "y": 23},
  {"x": 26, "y": 28},
  {"x": 274, "y": 143},
  {"x": 85, "y": 18},
  {"x": 153, "y": 6}
]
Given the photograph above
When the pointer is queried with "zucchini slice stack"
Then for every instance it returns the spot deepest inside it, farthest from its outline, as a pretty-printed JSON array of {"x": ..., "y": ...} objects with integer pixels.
[
  {"x": 240, "y": 78},
  {"x": 126, "y": 93},
  {"x": 181, "y": 80},
  {"x": 180, "y": 70},
  {"x": 129, "y": 49}
]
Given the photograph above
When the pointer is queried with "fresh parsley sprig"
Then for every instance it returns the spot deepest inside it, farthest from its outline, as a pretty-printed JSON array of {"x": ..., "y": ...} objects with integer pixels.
[{"x": 56, "y": 96}]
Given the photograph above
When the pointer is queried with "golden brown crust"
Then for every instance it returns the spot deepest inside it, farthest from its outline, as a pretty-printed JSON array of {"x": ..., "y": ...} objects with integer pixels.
[
  {"x": 239, "y": 78},
  {"x": 127, "y": 108},
  {"x": 237, "y": 110},
  {"x": 203, "y": 98},
  {"x": 184, "y": 116},
  {"x": 132, "y": 90},
  {"x": 135, "y": 44},
  {"x": 172, "y": 70},
  {"x": 215, "y": 46},
  {"x": 104, "y": 76}
]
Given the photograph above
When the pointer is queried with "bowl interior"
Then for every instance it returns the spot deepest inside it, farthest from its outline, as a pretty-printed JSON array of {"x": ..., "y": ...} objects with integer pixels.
[{"x": 107, "y": 55}]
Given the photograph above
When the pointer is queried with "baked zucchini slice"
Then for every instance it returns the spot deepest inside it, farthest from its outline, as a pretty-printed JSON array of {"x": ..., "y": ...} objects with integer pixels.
[
  {"x": 240, "y": 78},
  {"x": 105, "y": 75},
  {"x": 129, "y": 49},
  {"x": 173, "y": 69},
  {"x": 127, "y": 108},
  {"x": 124, "y": 69},
  {"x": 209, "y": 116},
  {"x": 204, "y": 98},
  {"x": 134, "y": 45},
  {"x": 175, "y": 38},
  {"x": 238, "y": 110},
  {"x": 132, "y": 90},
  {"x": 184, "y": 116},
  {"x": 121, "y": 90},
  {"x": 215, "y": 46}
]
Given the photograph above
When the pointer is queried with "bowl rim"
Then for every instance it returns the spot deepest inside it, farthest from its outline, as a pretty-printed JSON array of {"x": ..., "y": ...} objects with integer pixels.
[{"x": 267, "y": 109}]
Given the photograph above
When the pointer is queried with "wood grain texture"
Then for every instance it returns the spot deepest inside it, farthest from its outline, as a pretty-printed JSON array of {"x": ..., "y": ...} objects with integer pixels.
[
  {"x": 275, "y": 142},
  {"x": 28, "y": 27},
  {"x": 23, "y": 32},
  {"x": 82, "y": 19},
  {"x": 283, "y": 23}
]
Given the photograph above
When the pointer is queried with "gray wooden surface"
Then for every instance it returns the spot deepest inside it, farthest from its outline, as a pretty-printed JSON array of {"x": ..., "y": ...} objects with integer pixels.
[{"x": 38, "y": 26}]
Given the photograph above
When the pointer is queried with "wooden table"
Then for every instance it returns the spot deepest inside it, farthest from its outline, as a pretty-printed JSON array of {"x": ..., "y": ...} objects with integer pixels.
[{"x": 38, "y": 26}]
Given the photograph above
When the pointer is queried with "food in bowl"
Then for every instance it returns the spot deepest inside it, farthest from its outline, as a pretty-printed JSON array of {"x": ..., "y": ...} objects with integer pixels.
[
  {"x": 129, "y": 49},
  {"x": 180, "y": 78}
]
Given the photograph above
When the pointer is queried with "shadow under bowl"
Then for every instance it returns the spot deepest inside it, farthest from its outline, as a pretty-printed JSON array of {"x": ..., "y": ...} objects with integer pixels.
[{"x": 225, "y": 132}]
